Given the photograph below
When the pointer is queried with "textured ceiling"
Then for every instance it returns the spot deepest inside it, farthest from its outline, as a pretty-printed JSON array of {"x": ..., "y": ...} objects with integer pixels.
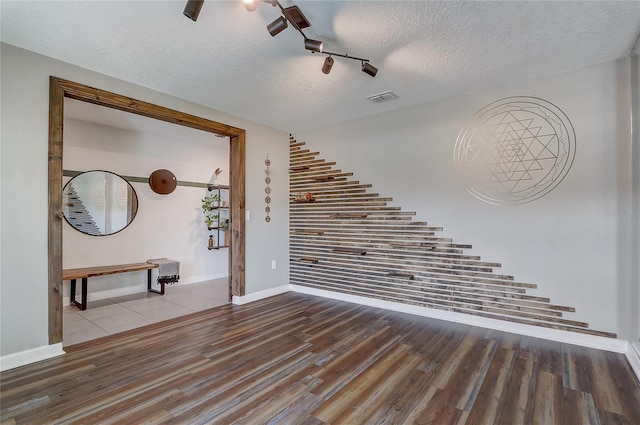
[{"x": 227, "y": 60}]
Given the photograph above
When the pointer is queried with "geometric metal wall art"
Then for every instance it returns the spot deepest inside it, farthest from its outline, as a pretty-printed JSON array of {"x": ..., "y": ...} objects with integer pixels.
[{"x": 515, "y": 150}]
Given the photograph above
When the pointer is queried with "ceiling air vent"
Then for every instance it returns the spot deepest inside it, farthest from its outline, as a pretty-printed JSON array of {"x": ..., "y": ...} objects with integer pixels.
[{"x": 383, "y": 97}]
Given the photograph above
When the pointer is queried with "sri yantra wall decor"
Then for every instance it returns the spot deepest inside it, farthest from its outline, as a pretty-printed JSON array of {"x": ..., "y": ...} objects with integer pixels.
[{"x": 515, "y": 150}]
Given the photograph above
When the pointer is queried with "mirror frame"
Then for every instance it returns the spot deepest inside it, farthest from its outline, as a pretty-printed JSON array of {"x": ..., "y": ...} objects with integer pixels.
[
  {"x": 133, "y": 190},
  {"x": 58, "y": 90}
]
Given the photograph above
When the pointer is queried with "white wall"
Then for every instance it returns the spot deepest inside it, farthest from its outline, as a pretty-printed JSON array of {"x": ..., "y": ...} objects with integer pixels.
[
  {"x": 567, "y": 242},
  {"x": 23, "y": 188},
  {"x": 170, "y": 226}
]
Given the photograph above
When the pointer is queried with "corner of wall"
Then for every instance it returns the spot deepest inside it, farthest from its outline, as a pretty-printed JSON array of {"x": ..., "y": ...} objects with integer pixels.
[
  {"x": 256, "y": 296},
  {"x": 633, "y": 356},
  {"x": 12, "y": 361}
]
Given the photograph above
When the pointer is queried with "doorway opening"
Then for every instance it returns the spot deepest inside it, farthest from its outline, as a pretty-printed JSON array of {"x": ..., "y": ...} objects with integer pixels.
[
  {"x": 126, "y": 215},
  {"x": 61, "y": 89}
]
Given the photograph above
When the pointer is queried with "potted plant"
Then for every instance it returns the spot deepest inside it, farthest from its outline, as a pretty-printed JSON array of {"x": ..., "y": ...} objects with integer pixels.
[
  {"x": 210, "y": 202},
  {"x": 210, "y": 219}
]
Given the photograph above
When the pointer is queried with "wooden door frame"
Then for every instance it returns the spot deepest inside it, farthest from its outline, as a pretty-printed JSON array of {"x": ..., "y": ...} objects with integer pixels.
[{"x": 58, "y": 90}]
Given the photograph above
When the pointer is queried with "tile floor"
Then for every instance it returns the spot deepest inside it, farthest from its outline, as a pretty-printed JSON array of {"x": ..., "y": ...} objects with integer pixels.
[{"x": 106, "y": 317}]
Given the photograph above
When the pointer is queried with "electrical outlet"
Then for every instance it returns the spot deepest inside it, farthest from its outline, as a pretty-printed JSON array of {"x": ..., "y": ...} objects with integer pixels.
[{"x": 273, "y": 264}]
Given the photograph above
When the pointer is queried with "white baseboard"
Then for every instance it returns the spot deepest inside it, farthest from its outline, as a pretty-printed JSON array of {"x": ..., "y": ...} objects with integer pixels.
[
  {"x": 245, "y": 299},
  {"x": 138, "y": 288},
  {"x": 12, "y": 361},
  {"x": 633, "y": 355},
  {"x": 592, "y": 341},
  {"x": 109, "y": 293},
  {"x": 631, "y": 350}
]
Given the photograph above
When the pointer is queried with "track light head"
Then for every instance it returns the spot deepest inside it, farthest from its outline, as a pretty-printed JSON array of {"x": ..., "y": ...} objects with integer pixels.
[
  {"x": 250, "y": 5},
  {"x": 313, "y": 45},
  {"x": 192, "y": 9},
  {"x": 369, "y": 69},
  {"x": 328, "y": 64},
  {"x": 277, "y": 26}
]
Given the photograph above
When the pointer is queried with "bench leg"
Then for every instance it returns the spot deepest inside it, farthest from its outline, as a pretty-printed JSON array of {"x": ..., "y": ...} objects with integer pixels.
[
  {"x": 84, "y": 293},
  {"x": 72, "y": 293},
  {"x": 161, "y": 291},
  {"x": 72, "y": 289}
]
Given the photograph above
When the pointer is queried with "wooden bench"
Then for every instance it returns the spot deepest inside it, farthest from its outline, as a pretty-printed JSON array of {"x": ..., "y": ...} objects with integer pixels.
[{"x": 85, "y": 273}]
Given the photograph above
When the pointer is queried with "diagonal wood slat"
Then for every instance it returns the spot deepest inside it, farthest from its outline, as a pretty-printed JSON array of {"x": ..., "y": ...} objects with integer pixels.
[{"x": 355, "y": 237}]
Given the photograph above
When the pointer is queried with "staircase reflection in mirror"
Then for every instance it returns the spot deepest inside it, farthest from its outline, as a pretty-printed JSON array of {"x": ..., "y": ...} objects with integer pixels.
[{"x": 99, "y": 203}]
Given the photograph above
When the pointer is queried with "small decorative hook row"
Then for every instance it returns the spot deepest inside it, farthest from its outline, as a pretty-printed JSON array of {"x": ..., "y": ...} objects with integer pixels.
[{"x": 267, "y": 189}]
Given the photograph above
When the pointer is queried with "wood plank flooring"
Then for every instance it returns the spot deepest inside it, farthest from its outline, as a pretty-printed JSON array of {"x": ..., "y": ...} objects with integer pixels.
[{"x": 298, "y": 359}]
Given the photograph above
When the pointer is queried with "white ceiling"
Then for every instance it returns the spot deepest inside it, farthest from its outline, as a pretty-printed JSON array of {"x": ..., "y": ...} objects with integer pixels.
[{"x": 425, "y": 50}]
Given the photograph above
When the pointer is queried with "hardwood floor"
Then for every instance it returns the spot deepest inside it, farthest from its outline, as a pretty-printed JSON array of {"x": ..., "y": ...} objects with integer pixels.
[{"x": 298, "y": 359}]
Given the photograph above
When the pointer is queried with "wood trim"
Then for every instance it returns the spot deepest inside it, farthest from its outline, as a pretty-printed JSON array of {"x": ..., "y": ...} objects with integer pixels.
[
  {"x": 58, "y": 90},
  {"x": 56, "y": 120},
  {"x": 237, "y": 244},
  {"x": 112, "y": 100}
]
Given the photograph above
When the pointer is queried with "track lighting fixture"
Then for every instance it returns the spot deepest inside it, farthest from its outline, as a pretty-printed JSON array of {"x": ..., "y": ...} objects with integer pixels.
[
  {"x": 192, "y": 9},
  {"x": 328, "y": 64},
  {"x": 277, "y": 26},
  {"x": 369, "y": 69},
  {"x": 313, "y": 45},
  {"x": 294, "y": 16}
]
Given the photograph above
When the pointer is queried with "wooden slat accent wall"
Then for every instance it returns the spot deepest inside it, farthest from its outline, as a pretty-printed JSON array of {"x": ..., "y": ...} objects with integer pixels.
[{"x": 348, "y": 239}]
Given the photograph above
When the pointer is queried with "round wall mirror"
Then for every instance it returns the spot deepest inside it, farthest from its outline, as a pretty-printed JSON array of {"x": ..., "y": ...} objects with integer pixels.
[{"x": 99, "y": 203}]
